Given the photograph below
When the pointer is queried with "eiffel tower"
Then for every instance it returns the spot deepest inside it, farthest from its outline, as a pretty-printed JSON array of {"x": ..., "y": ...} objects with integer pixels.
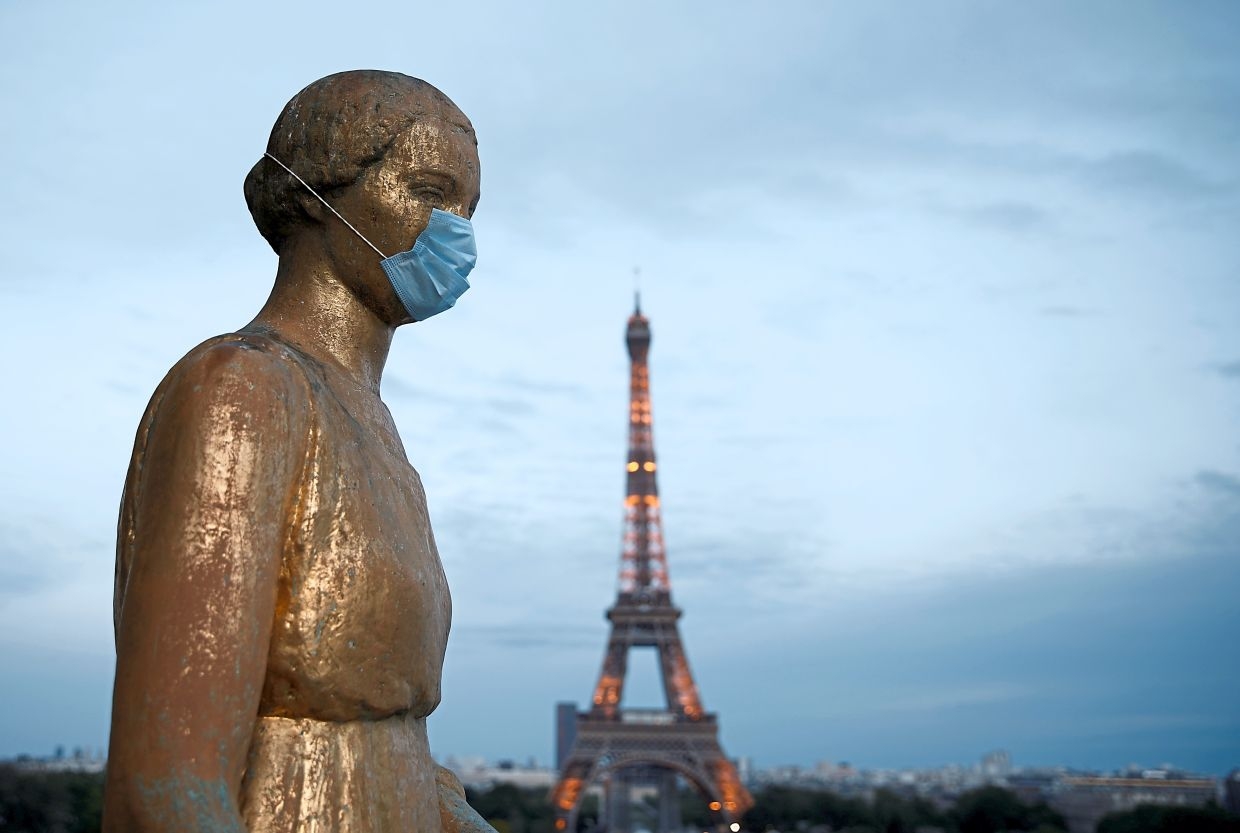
[{"x": 628, "y": 748}]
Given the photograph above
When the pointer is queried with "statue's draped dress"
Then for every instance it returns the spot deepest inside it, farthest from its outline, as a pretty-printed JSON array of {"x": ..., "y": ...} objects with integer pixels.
[{"x": 361, "y": 622}]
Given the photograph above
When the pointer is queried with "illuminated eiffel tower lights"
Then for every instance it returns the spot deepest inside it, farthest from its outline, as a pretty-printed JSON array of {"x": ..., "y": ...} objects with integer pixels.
[{"x": 625, "y": 747}]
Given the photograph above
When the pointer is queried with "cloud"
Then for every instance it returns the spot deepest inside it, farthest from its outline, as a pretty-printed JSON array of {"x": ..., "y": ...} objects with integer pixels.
[
  {"x": 1147, "y": 173},
  {"x": 20, "y": 576},
  {"x": 1092, "y": 664},
  {"x": 1218, "y": 482},
  {"x": 34, "y": 556},
  {"x": 937, "y": 698},
  {"x": 547, "y": 386},
  {"x": 1066, "y": 311},
  {"x": 525, "y": 636},
  {"x": 1010, "y": 216},
  {"x": 1230, "y": 370}
]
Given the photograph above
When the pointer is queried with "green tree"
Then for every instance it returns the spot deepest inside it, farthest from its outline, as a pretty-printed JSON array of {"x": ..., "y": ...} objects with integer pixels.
[
  {"x": 512, "y": 809},
  {"x": 894, "y": 813},
  {"x": 50, "y": 802},
  {"x": 786, "y": 808},
  {"x": 694, "y": 810},
  {"x": 995, "y": 810}
]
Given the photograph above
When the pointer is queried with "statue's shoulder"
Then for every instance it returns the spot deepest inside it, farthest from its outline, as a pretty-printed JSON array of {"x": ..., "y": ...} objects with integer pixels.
[
  {"x": 235, "y": 373},
  {"x": 252, "y": 350},
  {"x": 255, "y": 362}
]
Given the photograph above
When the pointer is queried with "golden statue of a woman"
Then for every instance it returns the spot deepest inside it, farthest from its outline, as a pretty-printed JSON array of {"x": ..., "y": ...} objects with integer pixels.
[{"x": 281, "y": 610}]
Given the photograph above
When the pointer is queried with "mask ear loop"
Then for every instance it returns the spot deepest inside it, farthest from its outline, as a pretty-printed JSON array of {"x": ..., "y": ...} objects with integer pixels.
[{"x": 326, "y": 203}]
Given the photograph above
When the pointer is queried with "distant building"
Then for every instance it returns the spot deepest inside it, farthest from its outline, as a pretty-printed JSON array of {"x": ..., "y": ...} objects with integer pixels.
[
  {"x": 1084, "y": 800},
  {"x": 996, "y": 765},
  {"x": 82, "y": 760},
  {"x": 1034, "y": 785},
  {"x": 478, "y": 774},
  {"x": 565, "y": 731},
  {"x": 1231, "y": 792}
]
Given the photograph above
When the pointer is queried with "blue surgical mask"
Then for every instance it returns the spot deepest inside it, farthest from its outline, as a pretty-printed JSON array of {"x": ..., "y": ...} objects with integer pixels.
[{"x": 432, "y": 275}]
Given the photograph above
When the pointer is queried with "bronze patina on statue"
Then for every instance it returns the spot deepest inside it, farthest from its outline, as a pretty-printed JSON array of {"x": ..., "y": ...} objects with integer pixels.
[{"x": 281, "y": 610}]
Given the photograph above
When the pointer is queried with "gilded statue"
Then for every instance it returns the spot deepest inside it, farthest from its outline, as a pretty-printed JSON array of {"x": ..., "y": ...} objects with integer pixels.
[{"x": 281, "y": 612}]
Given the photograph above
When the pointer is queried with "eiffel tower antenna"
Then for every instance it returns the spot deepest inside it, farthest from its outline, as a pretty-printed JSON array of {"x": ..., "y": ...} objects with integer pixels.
[
  {"x": 637, "y": 290},
  {"x": 624, "y": 748}
]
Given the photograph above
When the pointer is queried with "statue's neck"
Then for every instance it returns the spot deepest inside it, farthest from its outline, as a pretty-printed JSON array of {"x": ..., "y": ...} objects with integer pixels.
[{"x": 311, "y": 309}]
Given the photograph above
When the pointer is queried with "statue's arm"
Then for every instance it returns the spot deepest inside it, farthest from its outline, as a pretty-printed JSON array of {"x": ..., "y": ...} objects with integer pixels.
[
  {"x": 456, "y": 816},
  {"x": 195, "y": 615}
]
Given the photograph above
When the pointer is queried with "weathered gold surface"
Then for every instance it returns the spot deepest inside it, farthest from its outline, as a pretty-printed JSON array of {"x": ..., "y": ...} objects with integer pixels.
[{"x": 281, "y": 610}]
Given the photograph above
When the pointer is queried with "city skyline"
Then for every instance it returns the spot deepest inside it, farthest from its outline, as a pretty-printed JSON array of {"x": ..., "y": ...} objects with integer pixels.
[
  {"x": 822, "y": 770},
  {"x": 946, "y": 368}
]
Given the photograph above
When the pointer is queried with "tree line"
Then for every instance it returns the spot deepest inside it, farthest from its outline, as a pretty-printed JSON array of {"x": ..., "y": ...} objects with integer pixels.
[{"x": 72, "y": 802}]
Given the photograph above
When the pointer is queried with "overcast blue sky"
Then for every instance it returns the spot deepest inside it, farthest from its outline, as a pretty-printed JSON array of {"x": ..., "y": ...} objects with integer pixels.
[{"x": 946, "y": 361}]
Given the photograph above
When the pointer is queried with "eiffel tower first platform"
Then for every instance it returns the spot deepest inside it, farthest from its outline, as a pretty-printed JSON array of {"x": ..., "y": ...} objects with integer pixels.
[{"x": 627, "y": 748}]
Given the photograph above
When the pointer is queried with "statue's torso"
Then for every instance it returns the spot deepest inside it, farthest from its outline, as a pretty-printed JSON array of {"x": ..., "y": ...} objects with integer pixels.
[
  {"x": 363, "y": 610},
  {"x": 360, "y": 628}
]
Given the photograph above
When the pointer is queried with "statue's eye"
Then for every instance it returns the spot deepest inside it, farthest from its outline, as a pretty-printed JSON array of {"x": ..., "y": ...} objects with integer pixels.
[{"x": 429, "y": 193}]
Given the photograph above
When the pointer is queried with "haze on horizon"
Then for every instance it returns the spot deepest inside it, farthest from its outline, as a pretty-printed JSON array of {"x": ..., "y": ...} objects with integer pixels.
[{"x": 945, "y": 372}]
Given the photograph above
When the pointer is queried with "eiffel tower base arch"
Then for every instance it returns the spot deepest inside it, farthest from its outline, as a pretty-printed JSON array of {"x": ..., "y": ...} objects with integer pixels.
[
  {"x": 620, "y": 754},
  {"x": 617, "y": 808}
]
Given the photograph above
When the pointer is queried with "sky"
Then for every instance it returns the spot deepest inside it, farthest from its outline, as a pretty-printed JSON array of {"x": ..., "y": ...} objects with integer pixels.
[{"x": 945, "y": 372}]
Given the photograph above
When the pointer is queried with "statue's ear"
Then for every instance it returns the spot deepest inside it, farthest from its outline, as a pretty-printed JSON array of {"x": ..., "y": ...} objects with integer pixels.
[{"x": 310, "y": 207}]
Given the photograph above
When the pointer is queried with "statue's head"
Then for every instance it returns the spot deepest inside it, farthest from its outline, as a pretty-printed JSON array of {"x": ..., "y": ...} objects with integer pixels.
[{"x": 373, "y": 134}]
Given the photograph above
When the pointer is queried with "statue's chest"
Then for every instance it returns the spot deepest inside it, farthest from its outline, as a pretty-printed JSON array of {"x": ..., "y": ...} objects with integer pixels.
[{"x": 364, "y": 609}]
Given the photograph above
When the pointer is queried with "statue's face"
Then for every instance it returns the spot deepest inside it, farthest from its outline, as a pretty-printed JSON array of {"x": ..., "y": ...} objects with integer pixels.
[{"x": 433, "y": 164}]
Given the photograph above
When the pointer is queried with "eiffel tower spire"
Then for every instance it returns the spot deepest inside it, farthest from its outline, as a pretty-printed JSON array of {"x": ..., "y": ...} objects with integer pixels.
[
  {"x": 643, "y": 562},
  {"x": 624, "y": 747}
]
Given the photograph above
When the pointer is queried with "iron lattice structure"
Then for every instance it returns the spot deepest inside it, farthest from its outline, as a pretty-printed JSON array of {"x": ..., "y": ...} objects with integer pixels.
[{"x": 623, "y": 748}]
